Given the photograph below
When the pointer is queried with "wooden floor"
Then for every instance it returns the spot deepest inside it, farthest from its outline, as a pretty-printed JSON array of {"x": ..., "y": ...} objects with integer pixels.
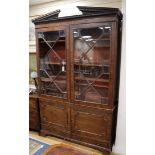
[{"x": 53, "y": 140}]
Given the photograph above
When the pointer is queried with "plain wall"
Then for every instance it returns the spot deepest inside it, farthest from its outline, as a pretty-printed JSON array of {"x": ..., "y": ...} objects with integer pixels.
[{"x": 68, "y": 7}]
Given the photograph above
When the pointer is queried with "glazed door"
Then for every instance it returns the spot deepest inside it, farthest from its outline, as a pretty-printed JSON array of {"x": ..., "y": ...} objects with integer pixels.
[
  {"x": 53, "y": 62},
  {"x": 91, "y": 63}
]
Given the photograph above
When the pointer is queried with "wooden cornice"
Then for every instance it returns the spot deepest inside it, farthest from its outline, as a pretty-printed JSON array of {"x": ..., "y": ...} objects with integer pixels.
[
  {"x": 86, "y": 12},
  {"x": 47, "y": 17}
]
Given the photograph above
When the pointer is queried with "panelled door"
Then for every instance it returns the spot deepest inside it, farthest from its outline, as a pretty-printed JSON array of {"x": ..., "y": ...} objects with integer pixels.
[
  {"x": 54, "y": 117},
  {"x": 91, "y": 85},
  {"x": 91, "y": 125},
  {"x": 54, "y": 86}
]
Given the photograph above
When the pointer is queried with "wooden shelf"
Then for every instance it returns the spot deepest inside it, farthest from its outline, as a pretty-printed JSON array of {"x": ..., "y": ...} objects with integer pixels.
[
  {"x": 78, "y": 64},
  {"x": 57, "y": 80},
  {"x": 94, "y": 85},
  {"x": 76, "y": 78},
  {"x": 96, "y": 39},
  {"x": 52, "y": 63},
  {"x": 91, "y": 64},
  {"x": 48, "y": 80},
  {"x": 45, "y": 79},
  {"x": 90, "y": 79},
  {"x": 52, "y": 41},
  {"x": 103, "y": 39}
]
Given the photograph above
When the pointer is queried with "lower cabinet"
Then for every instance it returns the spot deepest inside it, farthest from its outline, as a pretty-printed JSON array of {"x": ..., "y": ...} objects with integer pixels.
[{"x": 85, "y": 125}]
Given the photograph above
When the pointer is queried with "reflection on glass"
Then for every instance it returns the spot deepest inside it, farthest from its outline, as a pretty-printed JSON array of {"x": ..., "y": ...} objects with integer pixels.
[
  {"x": 91, "y": 63},
  {"x": 53, "y": 63}
]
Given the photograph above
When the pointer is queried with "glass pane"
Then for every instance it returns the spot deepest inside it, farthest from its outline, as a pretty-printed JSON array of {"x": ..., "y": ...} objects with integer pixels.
[
  {"x": 91, "y": 63},
  {"x": 53, "y": 63}
]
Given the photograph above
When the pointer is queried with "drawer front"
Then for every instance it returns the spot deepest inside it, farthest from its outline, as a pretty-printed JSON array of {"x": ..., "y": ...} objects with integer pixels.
[
  {"x": 91, "y": 125},
  {"x": 54, "y": 117}
]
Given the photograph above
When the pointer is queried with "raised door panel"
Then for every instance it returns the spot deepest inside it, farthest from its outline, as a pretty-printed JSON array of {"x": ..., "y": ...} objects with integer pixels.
[
  {"x": 91, "y": 125},
  {"x": 54, "y": 117}
]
